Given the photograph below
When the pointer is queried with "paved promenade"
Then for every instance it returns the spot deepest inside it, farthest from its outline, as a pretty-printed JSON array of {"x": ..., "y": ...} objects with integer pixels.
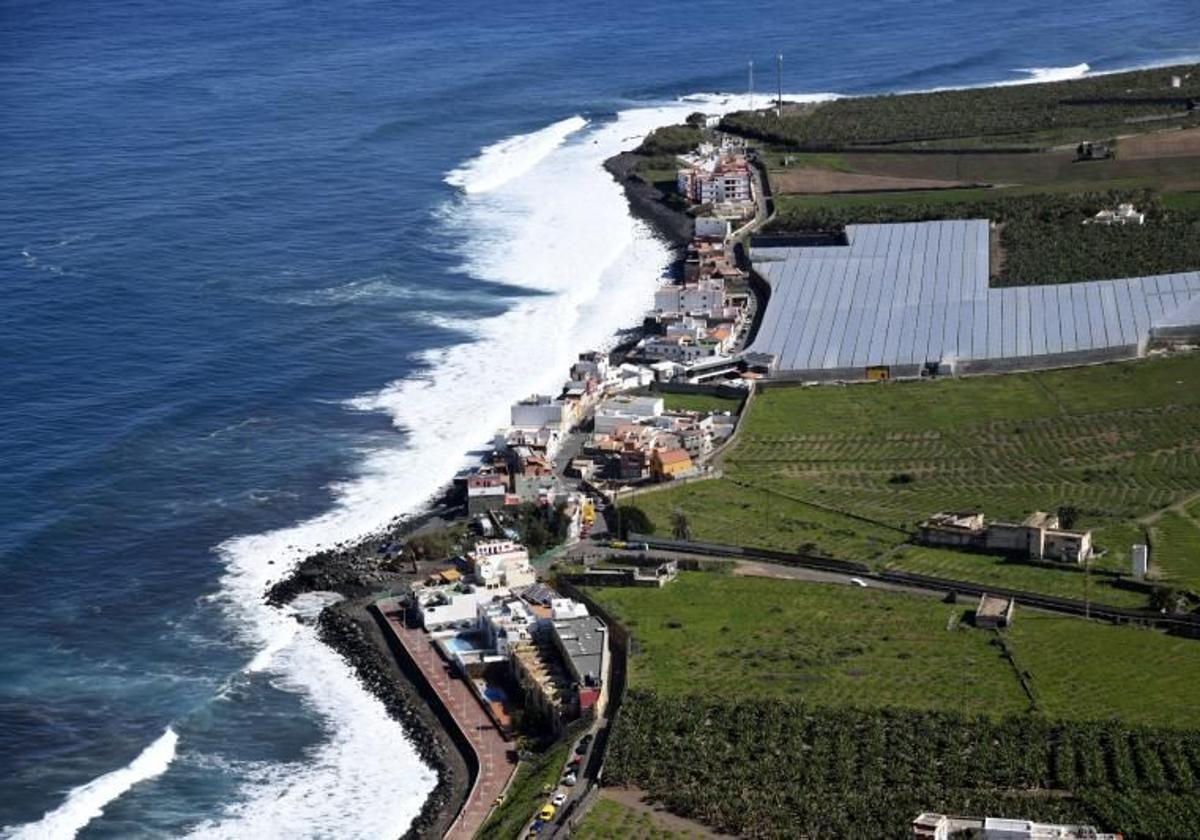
[{"x": 492, "y": 751}]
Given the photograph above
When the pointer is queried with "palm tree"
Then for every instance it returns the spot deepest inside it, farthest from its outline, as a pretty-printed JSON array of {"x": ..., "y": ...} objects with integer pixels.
[{"x": 680, "y": 526}]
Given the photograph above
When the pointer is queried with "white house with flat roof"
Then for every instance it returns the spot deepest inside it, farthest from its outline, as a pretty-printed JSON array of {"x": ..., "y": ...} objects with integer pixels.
[
  {"x": 499, "y": 564},
  {"x": 623, "y": 410}
]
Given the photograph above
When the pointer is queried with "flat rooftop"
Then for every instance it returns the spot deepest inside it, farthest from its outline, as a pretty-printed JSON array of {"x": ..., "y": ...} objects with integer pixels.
[
  {"x": 909, "y": 294},
  {"x": 583, "y": 643}
]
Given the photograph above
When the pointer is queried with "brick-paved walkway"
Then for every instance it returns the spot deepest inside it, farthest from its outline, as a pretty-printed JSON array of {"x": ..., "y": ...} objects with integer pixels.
[{"x": 495, "y": 765}]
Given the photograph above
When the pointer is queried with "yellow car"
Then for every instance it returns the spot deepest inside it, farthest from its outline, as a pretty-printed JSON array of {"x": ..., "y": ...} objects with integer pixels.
[{"x": 547, "y": 813}]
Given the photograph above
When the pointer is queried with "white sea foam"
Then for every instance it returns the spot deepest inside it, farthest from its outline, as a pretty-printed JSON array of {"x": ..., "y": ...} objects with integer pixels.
[
  {"x": 1052, "y": 74},
  {"x": 502, "y": 162},
  {"x": 86, "y": 802}
]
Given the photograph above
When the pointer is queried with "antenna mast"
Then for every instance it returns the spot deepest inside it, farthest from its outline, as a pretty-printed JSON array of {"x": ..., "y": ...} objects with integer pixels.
[{"x": 779, "y": 78}]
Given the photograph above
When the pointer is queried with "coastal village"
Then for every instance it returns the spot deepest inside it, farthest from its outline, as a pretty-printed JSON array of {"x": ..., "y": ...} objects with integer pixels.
[{"x": 513, "y": 620}]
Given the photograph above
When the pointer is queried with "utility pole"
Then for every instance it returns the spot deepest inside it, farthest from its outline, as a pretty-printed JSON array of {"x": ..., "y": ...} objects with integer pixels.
[
  {"x": 750, "y": 88},
  {"x": 779, "y": 79}
]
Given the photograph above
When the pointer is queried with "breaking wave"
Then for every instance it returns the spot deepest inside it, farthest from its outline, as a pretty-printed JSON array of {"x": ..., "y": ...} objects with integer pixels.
[
  {"x": 502, "y": 162},
  {"x": 86, "y": 802}
]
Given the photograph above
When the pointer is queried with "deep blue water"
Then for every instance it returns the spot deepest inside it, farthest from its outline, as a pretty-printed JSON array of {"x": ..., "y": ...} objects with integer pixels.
[{"x": 220, "y": 221}]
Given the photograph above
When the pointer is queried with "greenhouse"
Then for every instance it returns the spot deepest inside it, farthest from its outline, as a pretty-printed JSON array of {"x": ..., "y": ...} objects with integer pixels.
[{"x": 902, "y": 299}]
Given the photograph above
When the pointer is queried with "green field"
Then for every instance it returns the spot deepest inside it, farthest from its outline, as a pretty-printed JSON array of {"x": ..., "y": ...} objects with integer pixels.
[
  {"x": 1175, "y": 548},
  {"x": 849, "y": 471},
  {"x": 843, "y": 646},
  {"x": 862, "y": 708},
  {"x": 826, "y": 644},
  {"x": 1085, "y": 669}
]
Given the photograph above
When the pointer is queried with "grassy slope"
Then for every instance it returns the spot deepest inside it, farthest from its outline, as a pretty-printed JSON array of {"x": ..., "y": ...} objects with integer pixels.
[
  {"x": 840, "y": 646},
  {"x": 525, "y": 794},
  {"x": 1090, "y": 670},
  {"x": 824, "y": 644},
  {"x": 1115, "y": 441},
  {"x": 610, "y": 820}
]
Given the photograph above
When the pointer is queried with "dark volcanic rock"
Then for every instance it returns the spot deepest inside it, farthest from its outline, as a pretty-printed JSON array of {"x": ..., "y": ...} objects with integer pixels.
[
  {"x": 646, "y": 202},
  {"x": 349, "y": 629}
]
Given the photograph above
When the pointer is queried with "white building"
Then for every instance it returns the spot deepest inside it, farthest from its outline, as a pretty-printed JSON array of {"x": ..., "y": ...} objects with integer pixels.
[
  {"x": 539, "y": 410},
  {"x": 998, "y": 828},
  {"x": 504, "y": 623},
  {"x": 622, "y": 410},
  {"x": 593, "y": 366},
  {"x": 561, "y": 608},
  {"x": 443, "y": 609},
  {"x": 628, "y": 377},
  {"x": 543, "y": 440},
  {"x": 1125, "y": 214},
  {"x": 704, "y": 297},
  {"x": 723, "y": 179},
  {"x": 501, "y": 563}
]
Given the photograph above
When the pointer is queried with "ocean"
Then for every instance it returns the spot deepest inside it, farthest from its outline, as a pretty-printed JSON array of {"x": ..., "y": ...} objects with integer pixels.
[{"x": 271, "y": 271}]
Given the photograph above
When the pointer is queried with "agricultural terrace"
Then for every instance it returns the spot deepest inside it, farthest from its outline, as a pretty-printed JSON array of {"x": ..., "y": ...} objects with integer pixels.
[
  {"x": 849, "y": 471},
  {"x": 1010, "y": 116},
  {"x": 758, "y": 704},
  {"x": 770, "y": 768},
  {"x": 839, "y": 646}
]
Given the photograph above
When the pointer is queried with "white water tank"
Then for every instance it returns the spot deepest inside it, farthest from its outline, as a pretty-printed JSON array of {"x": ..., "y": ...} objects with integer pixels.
[{"x": 1141, "y": 561}]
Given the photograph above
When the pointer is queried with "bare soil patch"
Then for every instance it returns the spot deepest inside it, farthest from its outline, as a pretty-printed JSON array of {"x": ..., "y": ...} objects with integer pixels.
[
  {"x": 812, "y": 180},
  {"x": 635, "y": 799},
  {"x": 1184, "y": 143}
]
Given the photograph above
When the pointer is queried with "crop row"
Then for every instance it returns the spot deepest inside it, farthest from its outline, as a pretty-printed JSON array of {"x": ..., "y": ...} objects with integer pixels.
[{"x": 752, "y": 767}]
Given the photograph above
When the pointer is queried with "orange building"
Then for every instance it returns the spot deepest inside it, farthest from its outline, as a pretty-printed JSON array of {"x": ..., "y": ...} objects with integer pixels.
[{"x": 666, "y": 464}]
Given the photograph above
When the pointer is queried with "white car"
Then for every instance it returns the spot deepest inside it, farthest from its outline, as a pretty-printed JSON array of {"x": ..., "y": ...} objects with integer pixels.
[
  {"x": 858, "y": 582},
  {"x": 559, "y": 799}
]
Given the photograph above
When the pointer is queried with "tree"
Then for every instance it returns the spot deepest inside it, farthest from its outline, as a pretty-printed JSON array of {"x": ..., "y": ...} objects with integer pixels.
[
  {"x": 633, "y": 520},
  {"x": 681, "y": 528},
  {"x": 1068, "y": 515}
]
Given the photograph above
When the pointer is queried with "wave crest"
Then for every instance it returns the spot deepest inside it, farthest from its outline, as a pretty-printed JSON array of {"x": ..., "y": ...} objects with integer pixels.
[{"x": 86, "y": 802}]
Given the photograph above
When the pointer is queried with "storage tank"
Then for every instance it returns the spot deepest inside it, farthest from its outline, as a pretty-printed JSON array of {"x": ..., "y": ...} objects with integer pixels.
[{"x": 1141, "y": 561}]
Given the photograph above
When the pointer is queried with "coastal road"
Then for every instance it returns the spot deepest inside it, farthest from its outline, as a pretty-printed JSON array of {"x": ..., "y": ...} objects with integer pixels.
[{"x": 495, "y": 755}]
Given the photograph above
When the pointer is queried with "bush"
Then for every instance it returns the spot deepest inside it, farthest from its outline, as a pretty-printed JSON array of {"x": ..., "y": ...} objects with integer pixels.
[
  {"x": 671, "y": 140},
  {"x": 1081, "y": 104}
]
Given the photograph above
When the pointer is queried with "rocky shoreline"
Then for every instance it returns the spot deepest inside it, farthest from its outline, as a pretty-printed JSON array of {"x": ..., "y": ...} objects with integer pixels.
[
  {"x": 359, "y": 571},
  {"x": 349, "y": 628},
  {"x": 646, "y": 202}
]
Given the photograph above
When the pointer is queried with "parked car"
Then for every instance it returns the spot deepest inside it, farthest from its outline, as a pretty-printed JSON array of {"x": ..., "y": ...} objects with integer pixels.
[
  {"x": 559, "y": 799},
  {"x": 570, "y": 780},
  {"x": 547, "y": 813},
  {"x": 536, "y": 828}
]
